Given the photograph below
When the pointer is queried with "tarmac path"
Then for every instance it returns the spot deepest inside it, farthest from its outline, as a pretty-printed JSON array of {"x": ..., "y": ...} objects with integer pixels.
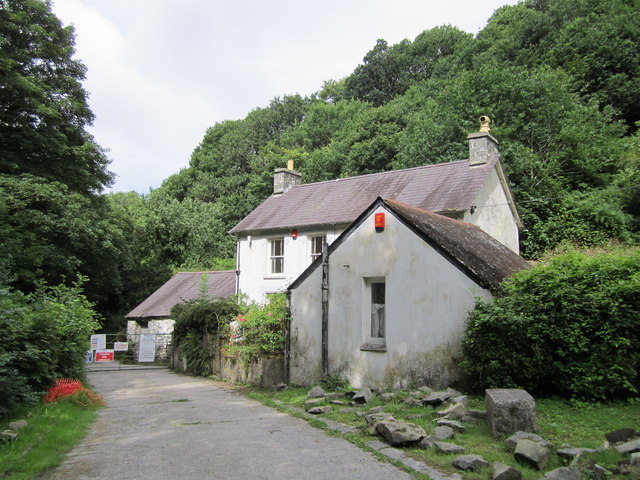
[{"x": 158, "y": 424}]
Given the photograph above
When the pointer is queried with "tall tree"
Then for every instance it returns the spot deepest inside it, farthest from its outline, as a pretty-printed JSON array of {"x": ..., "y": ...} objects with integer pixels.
[{"x": 43, "y": 106}]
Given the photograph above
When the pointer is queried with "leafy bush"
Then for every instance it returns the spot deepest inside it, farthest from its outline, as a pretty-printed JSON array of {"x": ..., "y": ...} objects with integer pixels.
[
  {"x": 262, "y": 330},
  {"x": 568, "y": 327},
  {"x": 44, "y": 337},
  {"x": 195, "y": 321}
]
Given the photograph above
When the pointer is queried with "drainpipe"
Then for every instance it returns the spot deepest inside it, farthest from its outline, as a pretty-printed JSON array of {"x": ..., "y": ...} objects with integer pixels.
[
  {"x": 287, "y": 338},
  {"x": 325, "y": 310}
]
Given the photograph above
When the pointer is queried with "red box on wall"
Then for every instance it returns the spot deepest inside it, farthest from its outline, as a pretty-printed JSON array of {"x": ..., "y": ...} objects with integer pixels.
[{"x": 379, "y": 222}]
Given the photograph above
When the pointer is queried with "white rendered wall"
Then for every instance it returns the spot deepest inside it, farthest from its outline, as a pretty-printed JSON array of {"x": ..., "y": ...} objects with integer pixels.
[
  {"x": 253, "y": 261},
  {"x": 493, "y": 214},
  {"x": 427, "y": 302}
]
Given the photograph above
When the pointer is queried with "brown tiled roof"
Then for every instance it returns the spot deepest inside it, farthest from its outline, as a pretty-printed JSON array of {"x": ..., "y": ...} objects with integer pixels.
[
  {"x": 184, "y": 286},
  {"x": 439, "y": 188},
  {"x": 484, "y": 257},
  {"x": 480, "y": 256}
]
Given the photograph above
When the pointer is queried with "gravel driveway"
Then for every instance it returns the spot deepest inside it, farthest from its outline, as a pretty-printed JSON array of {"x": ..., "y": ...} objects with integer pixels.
[{"x": 162, "y": 425}]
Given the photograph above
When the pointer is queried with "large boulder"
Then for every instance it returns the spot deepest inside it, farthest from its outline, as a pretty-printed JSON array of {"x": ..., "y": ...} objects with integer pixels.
[
  {"x": 532, "y": 454},
  {"x": 510, "y": 410},
  {"x": 399, "y": 433}
]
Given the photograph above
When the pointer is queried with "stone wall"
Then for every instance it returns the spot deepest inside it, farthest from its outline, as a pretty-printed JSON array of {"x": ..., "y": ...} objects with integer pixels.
[{"x": 264, "y": 372}]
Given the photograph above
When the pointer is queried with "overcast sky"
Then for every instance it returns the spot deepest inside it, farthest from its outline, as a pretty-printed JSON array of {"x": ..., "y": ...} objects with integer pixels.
[{"x": 161, "y": 72}]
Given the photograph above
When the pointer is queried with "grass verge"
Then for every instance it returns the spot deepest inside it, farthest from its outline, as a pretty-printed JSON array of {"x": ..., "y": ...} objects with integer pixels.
[
  {"x": 53, "y": 429},
  {"x": 561, "y": 423}
]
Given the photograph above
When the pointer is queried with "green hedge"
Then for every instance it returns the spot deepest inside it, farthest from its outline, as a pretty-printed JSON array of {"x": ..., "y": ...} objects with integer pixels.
[{"x": 568, "y": 327}]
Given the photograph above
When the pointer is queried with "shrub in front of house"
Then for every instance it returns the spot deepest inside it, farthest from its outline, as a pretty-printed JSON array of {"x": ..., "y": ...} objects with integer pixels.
[
  {"x": 259, "y": 331},
  {"x": 568, "y": 327}
]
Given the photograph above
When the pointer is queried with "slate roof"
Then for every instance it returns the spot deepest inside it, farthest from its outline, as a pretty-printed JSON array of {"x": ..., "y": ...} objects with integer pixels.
[
  {"x": 483, "y": 258},
  {"x": 184, "y": 286},
  {"x": 439, "y": 188},
  {"x": 487, "y": 260}
]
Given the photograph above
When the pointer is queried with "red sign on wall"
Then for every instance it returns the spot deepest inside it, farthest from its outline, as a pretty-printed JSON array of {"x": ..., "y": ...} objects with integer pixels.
[
  {"x": 379, "y": 222},
  {"x": 104, "y": 356}
]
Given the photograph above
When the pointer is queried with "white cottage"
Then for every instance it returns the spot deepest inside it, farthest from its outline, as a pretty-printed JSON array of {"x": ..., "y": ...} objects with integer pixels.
[
  {"x": 280, "y": 238},
  {"x": 387, "y": 303}
]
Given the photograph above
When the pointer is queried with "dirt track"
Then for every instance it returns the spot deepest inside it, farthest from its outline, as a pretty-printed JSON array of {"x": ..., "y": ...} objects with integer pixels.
[{"x": 161, "y": 425}]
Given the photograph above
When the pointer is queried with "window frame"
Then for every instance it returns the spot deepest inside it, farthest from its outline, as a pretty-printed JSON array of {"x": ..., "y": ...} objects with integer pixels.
[
  {"x": 371, "y": 314},
  {"x": 273, "y": 259},
  {"x": 312, "y": 243}
]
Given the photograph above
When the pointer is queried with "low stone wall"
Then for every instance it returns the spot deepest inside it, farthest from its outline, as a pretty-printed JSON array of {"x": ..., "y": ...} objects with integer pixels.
[{"x": 265, "y": 371}]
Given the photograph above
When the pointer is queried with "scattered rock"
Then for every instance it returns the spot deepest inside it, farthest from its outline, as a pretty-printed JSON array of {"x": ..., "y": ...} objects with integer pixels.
[
  {"x": 460, "y": 399},
  {"x": 532, "y": 453},
  {"x": 599, "y": 473},
  {"x": 470, "y": 462},
  {"x": 375, "y": 410},
  {"x": 413, "y": 416},
  {"x": 337, "y": 402},
  {"x": 629, "y": 447},
  {"x": 570, "y": 453},
  {"x": 387, "y": 397},
  {"x": 425, "y": 389},
  {"x": 18, "y": 425},
  {"x": 635, "y": 458},
  {"x": 457, "y": 426},
  {"x": 436, "y": 398},
  {"x": 374, "y": 418},
  {"x": 350, "y": 393},
  {"x": 445, "y": 447},
  {"x": 505, "y": 472},
  {"x": 363, "y": 396},
  {"x": 510, "y": 410},
  {"x": 621, "y": 435},
  {"x": 279, "y": 387},
  {"x": 564, "y": 473},
  {"x": 316, "y": 392},
  {"x": 413, "y": 402},
  {"x": 320, "y": 410},
  {"x": 479, "y": 414},
  {"x": 426, "y": 443},
  {"x": 8, "y": 436},
  {"x": 513, "y": 440},
  {"x": 313, "y": 402},
  {"x": 396, "y": 432},
  {"x": 332, "y": 396},
  {"x": 453, "y": 412},
  {"x": 442, "y": 433},
  {"x": 453, "y": 392}
]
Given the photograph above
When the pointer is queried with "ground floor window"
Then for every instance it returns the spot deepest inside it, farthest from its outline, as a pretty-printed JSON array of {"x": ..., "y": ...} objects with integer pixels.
[{"x": 374, "y": 321}]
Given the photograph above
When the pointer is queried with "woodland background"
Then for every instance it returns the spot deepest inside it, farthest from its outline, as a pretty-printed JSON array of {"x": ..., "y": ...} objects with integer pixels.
[{"x": 560, "y": 79}]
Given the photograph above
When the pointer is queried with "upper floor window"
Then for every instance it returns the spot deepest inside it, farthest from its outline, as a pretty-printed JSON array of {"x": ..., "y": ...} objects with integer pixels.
[
  {"x": 316, "y": 246},
  {"x": 276, "y": 256}
]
